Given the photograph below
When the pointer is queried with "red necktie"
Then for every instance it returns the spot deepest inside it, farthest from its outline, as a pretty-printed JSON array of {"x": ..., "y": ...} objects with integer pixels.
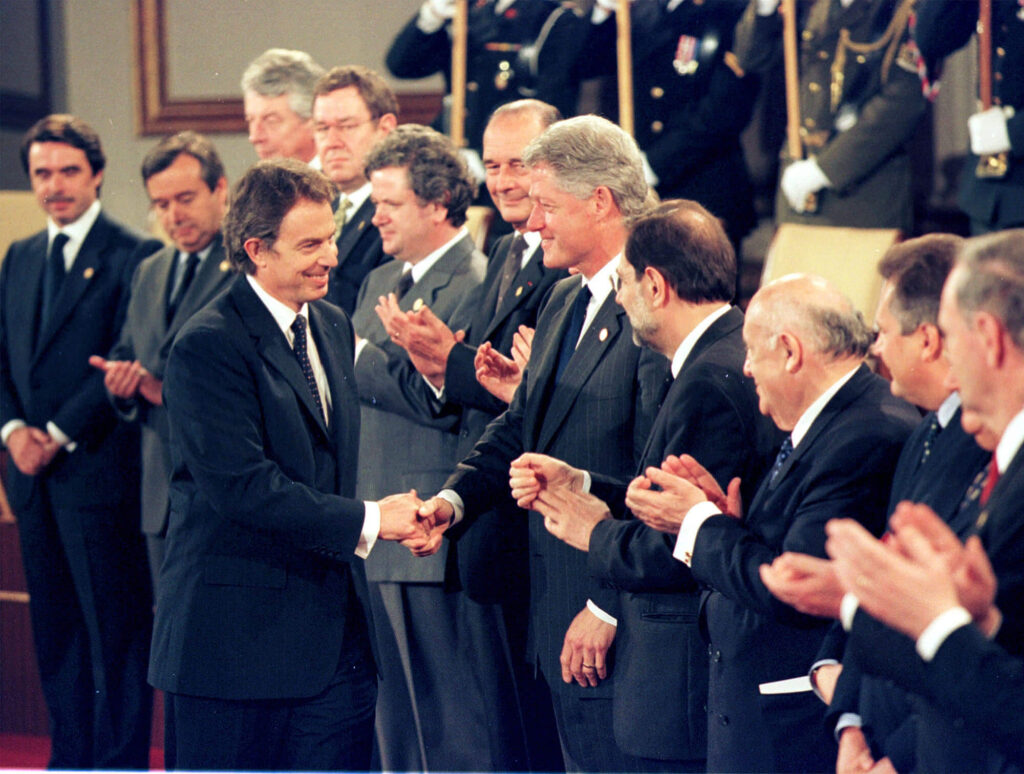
[{"x": 990, "y": 482}]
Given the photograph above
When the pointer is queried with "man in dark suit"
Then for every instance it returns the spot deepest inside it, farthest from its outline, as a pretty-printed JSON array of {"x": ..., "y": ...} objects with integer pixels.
[
  {"x": 443, "y": 659},
  {"x": 805, "y": 350},
  {"x": 982, "y": 333},
  {"x": 938, "y": 466},
  {"x": 493, "y": 559},
  {"x": 74, "y": 482},
  {"x": 184, "y": 178},
  {"x": 587, "y": 397},
  {"x": 353, "y": 109},
  {"x": 261, "y": 638},
  {"x": 675, "y": 284}
]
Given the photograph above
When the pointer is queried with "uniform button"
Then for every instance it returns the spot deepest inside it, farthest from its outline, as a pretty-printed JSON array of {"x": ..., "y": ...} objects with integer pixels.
[
  {"x": 472, "y": 86},
  {"x": 1000, "y": 51},
  {"x": 813, "y": 87},
  {"x": 999, "y": 76},
  {"x": 657, "y": 92},
  {"x": 823, "y": 55},
  {"x": 809, "y": 123},
  {"x": 657, "y": 126},
  {"x": 807, "y": 35},
  {"x": 861, "y": 59}
]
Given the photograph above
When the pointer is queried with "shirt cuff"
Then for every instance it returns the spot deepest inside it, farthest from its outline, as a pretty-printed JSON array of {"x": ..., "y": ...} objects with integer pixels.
[
  {"x": 456, "y": 502},
  {"x": 608, "y": 619},
  {"x": 847, "y": 610},
  {"x": 60, "y": 437},
  {"x": 939, "y": 629},
  {"x": 10, "y": 427},
  {"x": 848, "y": 720},
  {"x": 371, "y": 529},
  {"x": 587, "y": 482},
  {"x": 692, "y": 522},
  {"x": 814, "y": 668}
]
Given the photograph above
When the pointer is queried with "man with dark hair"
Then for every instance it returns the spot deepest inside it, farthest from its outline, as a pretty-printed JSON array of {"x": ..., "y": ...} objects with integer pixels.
[
  {"x": 184, "y": 178},
  {"x": 430, "y": 716},
  {"x": 805, "y": 350},
  {"x": 74, "y": 482},
  {"x": 587, "y": 397},
  {"x": 277, "y": 91},
  {"x": 353, "y": 109},
  {"x": 675, "y": 283},
  {"x": 261, "y": 642}
]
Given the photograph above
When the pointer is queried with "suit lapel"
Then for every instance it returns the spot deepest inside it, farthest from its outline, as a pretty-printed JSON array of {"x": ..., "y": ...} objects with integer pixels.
[
  {"x": 273, "y": 347},
  {"x": 354, "y": 228},
  {"x": 28, "y": 302},
  {"x": 438, "y": 276},
  {"x": 598, "y": 338},
  {"x": 86, "y": 269}
]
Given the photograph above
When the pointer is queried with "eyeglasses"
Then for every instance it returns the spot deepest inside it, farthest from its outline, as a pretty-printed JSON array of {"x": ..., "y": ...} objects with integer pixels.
[{"x": 346, "y": 129}]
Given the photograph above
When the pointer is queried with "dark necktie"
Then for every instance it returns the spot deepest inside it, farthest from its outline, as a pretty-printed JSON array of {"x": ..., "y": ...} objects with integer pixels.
[
  {"x": 929, "y": 439},
  {"x": 990, "y": 480},
  {"x": 404, "y": 283},
  {"x": 302, "y": 355},
  {"x": 54, "y": 276},
  {"x": 510, "y": 268},
  {"x": 974, "y": 490},
  {"x": 572, "y": 333},
  {"x": 191, "y": 264},
  {"x": 784, "y": 451}
]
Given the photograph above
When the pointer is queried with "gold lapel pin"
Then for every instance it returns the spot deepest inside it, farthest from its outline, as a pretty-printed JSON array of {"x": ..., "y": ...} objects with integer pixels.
[
  {"x": 603, "y": 334},
  {"x": 519, "y": 291},
  {"x": 88, "y": 272},
  {"x": 225, "y": 265},
  {"x": 417, "y": 304}
]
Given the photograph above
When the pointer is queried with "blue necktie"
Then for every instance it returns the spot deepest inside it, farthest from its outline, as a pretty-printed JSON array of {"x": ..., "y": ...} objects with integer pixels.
[
  {"x": 572, "y": 333},
  {"x": 784, "y": 451}
]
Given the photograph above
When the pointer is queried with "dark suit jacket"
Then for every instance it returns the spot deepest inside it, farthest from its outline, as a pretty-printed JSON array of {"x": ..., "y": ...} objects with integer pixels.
[
  {"x": 408, "y": 440},
  {"x": 597, "y": 417},
  {"x": 359, "y": 252},
  {"x": 710, "y": 412},
  {"x": 940, "y": 482},
  {"x": 688, "y": 123},
  {"x": 45, "y": 374},
  {"x": 260, "y": 571},
  {"x": 842, "y": 468},
  {"x": 146, "y": 336},
  {"x": 492, "y": 557}
]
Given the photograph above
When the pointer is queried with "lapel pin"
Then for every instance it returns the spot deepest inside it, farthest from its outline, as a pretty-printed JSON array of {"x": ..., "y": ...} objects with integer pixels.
[
  {"x": 88, "y": 272},
  {"x": 519, "y": 290},
  {"x": 224, "y": 265},
  {"x": 417, "y": 304},
  {"x": 603, "y": 334}
]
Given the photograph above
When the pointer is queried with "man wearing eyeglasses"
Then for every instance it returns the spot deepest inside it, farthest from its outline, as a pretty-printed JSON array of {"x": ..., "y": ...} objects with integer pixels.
[{"x": 353, "y": 108}]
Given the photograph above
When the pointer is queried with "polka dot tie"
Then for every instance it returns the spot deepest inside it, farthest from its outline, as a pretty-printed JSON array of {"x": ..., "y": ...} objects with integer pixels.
[{"x": 302, "y": 355}]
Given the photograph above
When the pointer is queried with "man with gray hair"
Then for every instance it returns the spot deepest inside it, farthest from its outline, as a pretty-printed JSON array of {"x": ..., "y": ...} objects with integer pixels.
[
  {"x": 277, "y": 92},
  {"x": 805, "y": 350},
  {"x": 587, "y": 397}
]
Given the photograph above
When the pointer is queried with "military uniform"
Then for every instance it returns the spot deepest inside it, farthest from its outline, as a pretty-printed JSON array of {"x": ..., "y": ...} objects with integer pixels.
[
  {"x": 943, "y": 26},
  {"x": 690, "y": 101},
  {"x": 860, "y": 103},
  {"x": 527, "y": 50}
]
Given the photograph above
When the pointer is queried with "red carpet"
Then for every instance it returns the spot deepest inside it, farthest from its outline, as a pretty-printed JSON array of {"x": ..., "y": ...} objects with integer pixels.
[{"x": 19, "y": 751}]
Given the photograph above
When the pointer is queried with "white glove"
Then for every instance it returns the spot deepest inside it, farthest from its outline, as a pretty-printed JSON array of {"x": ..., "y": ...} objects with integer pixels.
[
  {"x": 649, "y": 174},
  {"x": 765, "y": 7},
  {"x": 603, "y": 9},
  {"x": 800, "y": 180},
  {"x": 474, "y": 163},
  {"x": 988, "y": 131},
  {"x": 434, "y": 14}
]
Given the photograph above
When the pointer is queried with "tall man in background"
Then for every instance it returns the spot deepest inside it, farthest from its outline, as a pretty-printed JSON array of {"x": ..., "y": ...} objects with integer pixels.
[{"x": 74, "y": 483}]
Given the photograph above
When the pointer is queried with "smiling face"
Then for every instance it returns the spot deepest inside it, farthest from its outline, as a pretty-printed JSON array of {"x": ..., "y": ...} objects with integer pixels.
[
  {"x": 407, "y": 225},
  {"x": 565, "y": 223},
  {"x": 345, "y": 131},
  {"x": 296, "y": 268},
  {"x": 630, "y": 295},
  {"x": 508, "y": 179},
  {"x": 275, "y": 130},
  {"x": 62, "y": 180},
  {"x": 188, "y": 210}
]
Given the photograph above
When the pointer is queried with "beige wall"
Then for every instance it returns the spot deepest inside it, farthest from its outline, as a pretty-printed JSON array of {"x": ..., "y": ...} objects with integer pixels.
[{"x": 225, "y": 36}]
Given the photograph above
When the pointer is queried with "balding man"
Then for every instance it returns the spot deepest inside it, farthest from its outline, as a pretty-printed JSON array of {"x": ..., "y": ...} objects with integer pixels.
[
  {"x": 586, "y": 398},
  {"x": 805, "y": 350},
  {"x": 277, "y": 93}
]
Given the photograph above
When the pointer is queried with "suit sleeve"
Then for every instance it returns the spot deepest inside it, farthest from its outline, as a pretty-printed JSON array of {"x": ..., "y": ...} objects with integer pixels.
[
  {"x": 217, "y": 427},
  {"x": 848, "y": 479},
  {"x": 414, "y": 54},
  {"x": 10, "y": 404},
  {"x": 461, "y": 386}
]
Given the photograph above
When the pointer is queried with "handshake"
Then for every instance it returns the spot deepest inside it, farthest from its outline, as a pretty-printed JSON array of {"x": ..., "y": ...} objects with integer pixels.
[{"x": 416, "y": 524}]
